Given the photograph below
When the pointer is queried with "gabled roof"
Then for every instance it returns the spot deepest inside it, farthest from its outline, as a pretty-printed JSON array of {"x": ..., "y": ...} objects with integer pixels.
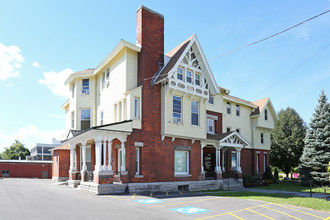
[
  {"x": 239, "y": 100},
  {"x": 82, "y": 73},
  {"x": 177, "y": 55},
  {"x": 231, "y": 139},
  {"x": 260, "y": 105},
  {"x": 62, "y": 147}
]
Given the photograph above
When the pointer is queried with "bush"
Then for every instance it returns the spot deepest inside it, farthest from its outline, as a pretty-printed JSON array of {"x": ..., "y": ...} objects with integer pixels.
[
  {"x": 249, "y": 181},
  {"x": 268, "y": 176},
  {"x": 276, "y": 179}
]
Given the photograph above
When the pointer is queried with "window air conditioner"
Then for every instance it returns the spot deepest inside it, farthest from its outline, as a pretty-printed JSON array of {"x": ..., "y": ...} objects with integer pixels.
[{"x": 177, "y": 120}]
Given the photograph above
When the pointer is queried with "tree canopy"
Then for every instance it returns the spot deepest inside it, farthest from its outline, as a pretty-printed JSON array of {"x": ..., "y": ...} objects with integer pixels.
[
  {"x": 15, "y": 151},
  {"x": 315, "y": 159},
  {"x": 287, "y": 140}
]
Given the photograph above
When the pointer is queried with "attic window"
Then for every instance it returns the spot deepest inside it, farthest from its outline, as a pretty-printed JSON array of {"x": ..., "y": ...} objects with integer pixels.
[
  {"x": 180, "y": 74},
  {"x": 266, "y": 114}
]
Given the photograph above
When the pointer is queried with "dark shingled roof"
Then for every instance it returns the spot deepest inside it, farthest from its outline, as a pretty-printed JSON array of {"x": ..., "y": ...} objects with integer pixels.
[
  {"x": 218, "y": 137},
  {"x": 175, "y": 55}
]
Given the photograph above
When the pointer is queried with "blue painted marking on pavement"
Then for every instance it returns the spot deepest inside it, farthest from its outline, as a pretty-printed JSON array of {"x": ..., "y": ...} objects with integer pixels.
[
  {"x": 190, "y": 210},
  {"x": 148, "y": 201}
]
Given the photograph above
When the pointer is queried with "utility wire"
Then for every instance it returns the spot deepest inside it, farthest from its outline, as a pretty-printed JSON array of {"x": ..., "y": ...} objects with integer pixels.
[
  {"x": 292, "y": 71},
  {"x": 271, "y": 36}
]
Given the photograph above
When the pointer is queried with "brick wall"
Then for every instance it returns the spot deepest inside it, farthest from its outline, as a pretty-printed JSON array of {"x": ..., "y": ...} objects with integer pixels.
[
  {"x": 64, "y": 162},
  {"x": 217, "y": 123},
  {"x": 249, "y": 161}
]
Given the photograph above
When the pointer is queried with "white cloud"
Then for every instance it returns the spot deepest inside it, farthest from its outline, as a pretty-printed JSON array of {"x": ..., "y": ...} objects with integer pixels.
[
  {"x": 35, "y": 64},
  {"x": 54, "y": 116},
  {"x": 30, "y": 135},
  {"x": 55, "y": 82},
  {"x": 10, "y": 61}
]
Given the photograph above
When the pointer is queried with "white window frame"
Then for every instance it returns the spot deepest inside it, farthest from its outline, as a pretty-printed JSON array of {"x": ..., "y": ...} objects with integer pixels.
[
  {"x": 228, "y": 107},
  {"x": 136, "y": 107},
  {"x": 189, "y": 77},
  {"x": 234, "y": 167},
  {"x": 238, "y": 110},
  {"x": 198, "y": 80},
  {"x": 265, "y": 159},
  {"x": 90, "y": 117},
  {"x": 85, "y": 89},
  {"x": 195, "y": 113},
  {"x": 266, "y": 115},
  {"x": 211, "y": 98},
  {"x": 187, "y": 155},
  {"x": 258, "y": 158},
  {"x": 210, "y": 123},
  {"x": 137, "y": 161},
  {"x": 177, "y": 119},
  {"x": 178, "y": 73}
]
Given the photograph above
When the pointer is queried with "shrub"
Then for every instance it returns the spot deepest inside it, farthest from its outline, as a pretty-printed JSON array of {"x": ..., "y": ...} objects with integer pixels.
[
  {"x": 249, "y": 181},
  {"x": 268, "y": 176},
  {"x": 276, "y": 179}
]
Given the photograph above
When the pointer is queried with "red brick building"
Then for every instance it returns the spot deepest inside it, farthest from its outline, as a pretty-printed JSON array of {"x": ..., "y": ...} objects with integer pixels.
[
  {"x": 159, "y": 122},
  {"x": 26, "y": 169}
]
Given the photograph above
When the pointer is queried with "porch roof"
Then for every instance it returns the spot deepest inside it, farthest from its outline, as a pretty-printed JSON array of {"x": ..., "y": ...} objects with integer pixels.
[{"x": 229, "y": 139}]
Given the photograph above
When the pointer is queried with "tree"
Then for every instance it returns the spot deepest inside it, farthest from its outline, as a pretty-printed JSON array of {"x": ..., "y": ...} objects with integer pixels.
[
  {"x": 287, "y": 140},
  {"x": 15, "y": 151},
  {"x": 315, "y": 159}
]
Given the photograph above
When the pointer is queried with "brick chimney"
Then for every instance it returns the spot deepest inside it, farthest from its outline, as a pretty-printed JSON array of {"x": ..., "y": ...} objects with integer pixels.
[{"x": 149, "y": 35}]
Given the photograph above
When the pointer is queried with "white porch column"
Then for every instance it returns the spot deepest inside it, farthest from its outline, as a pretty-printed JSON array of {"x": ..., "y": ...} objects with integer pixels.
[
  {"x": 98, "y": 145},
  {"x": 202, "y": 166},
  {"x": 123, "y": 154},
  {"x": 218, "y": 163},
  {"x": 105, "y": 155},
  {"x": 74, "y": 159},
  {"x": 223, "y": 161},
  {"x": 83, "y": 149},
  {"x": 110, "y": 154},
  {"x": 71, "y": 158},
  {"x": 239, "y": 169}
]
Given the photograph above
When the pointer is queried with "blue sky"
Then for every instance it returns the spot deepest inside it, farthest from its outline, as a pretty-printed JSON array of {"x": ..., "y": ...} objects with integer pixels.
[{"x": 41, "y": 42}]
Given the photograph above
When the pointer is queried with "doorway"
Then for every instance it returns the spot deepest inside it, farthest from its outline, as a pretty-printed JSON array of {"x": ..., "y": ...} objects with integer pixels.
[{"x": 209, "y": 162}]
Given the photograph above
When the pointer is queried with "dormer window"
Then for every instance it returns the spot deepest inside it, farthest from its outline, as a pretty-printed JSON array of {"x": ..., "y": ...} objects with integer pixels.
[
  {"x": 189, "y": 76},
  {"x": 85, "y": 87},
  {"x": 180, "y": 74},
  {"x": 197, "y": 79},
  {"x": 266, "y": 114}
]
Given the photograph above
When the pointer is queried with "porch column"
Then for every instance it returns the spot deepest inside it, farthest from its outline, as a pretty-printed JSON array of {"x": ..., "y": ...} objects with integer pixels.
[
  {"x": 98, "y": 145},
  {"x": 83, "y": 149},
  {"x": 202, "y": 166},
  {"x": 104, "y": 155},
  {"x": 71, "y": 158},
  {"x": 123, "y": 154},
  {"x": 239, "y": 169},
  {"x": 223, "y": 161},
  {"x": 218, "y": 163},
  {"x": 110, "y": 154}
]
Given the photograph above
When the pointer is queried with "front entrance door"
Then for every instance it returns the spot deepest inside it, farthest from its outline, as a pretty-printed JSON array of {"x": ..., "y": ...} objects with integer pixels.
[{"x": 209, "y": 163}]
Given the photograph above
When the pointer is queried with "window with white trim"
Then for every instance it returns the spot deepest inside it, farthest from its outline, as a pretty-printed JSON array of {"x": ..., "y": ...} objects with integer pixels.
[
  {"x": 237, "y": 110},
  {"x": 189, "y": 76},
  {"x": 181, "y": 162},
  {"x": 137, "y": 160},
  {"x": 210, "y": 126},
  {"x": 85, "y": 87},
  {"x": 136, "y": 107},
  {"x": 265, "y": 161},
  {"x": 211, "y": 100},
  {"x": 228, "y": 108},
  {"x": 85, "y": 119},
  {"x": 258, "y": 161},
  {"x": 177, "y": 109},
  {"x": 197, "y": 79},
  {"x": 262, "y": 138},
  {"x": 266, "y": 114},
  {"x": 194, "y": 112},
  {"x": 101, "y": 118},
  {"x": 179, "y": 74},
  {"x": 234, "y": 160}
]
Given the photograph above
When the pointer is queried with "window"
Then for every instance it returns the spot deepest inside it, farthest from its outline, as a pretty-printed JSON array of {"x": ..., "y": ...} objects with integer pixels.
[
  {"x": 228, "y": 108},
  {"x": 189, "y": 76},
  {"x": 5, "y": 173},
  {"x": 210, "y": 126},
  {"x": 180, "y": 74},
  {"x": 181, "y": 162},
  {"x": 234, "y": 160},
  {"x": 238, "y": 130},
  {"x": 262, "y": 138},
  {"x": 73, "y": 88},
  {"x": 211, "y": 100},
  {"x": 177, "y": 103},
  {"x": 237, "y": 110},
  {"x": 194, "y": 112},
  {"x": 85, "y": 86},
  {"x": 101, "y": 117},
  {"x": 85, "y": 119},
  {"x": 266, "y": 115},
  {"x": 228, "y": 129},
  {"x": 258, "y": 161},
  {"x": 197, "y": 79},
  {"x": 137, "y": 160},
  {"x": 265, "y": 161},
  {"x": 136, "y": 107},
  {"x": 108, "y": 75},
  {"x": 72, "y": 119},
  {"x": 88, "y": 159},
  {"x": 103, "y": 79}
]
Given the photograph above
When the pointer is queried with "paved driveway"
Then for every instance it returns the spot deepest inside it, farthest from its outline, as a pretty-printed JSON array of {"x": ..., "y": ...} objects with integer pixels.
[{"x": 39, "y": 199}]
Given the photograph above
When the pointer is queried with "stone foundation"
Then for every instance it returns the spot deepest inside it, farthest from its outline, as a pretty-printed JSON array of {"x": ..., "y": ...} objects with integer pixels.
[
  {"x": 60, "y": 179},
  {"x": 73, "y": 183},
  {"x": 104, "y": 189}
]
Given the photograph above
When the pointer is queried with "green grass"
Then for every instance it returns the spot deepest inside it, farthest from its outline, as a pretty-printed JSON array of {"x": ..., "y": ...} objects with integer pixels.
[
  {"x": 295, "y": 187},
  {"x": 312, "y": 203}
]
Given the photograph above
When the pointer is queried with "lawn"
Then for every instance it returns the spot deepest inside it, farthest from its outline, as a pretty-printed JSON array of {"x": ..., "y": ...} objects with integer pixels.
[
  {"x": 312, "y": 203},
  {"x": 295, "y": 187}
]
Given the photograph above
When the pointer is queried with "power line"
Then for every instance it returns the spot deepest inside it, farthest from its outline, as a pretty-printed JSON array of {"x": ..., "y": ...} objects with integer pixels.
[
  {"x": 271, "y": 36},
  {"x": 293, "y": 70}
]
